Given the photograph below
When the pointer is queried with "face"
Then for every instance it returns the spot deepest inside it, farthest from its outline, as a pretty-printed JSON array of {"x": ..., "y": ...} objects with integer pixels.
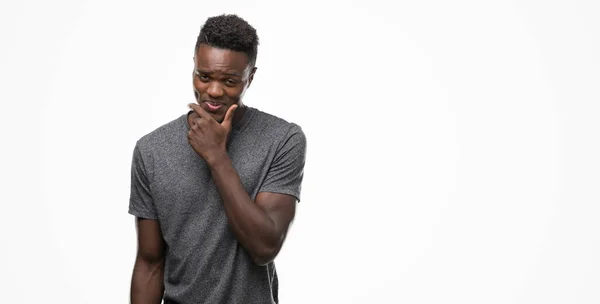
[{"x": 221, "y": 78}]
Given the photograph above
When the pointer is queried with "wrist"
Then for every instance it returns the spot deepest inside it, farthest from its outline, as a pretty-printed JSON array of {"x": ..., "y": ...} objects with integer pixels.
[{"x": 217, "y": 159}]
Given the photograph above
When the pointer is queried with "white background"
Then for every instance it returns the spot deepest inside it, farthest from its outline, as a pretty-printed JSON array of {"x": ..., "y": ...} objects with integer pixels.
[{"x": 453, "y": 153}]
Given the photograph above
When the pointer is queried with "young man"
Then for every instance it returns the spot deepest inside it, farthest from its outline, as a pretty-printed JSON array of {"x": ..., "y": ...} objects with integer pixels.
[{"x": 215, "y": 190}]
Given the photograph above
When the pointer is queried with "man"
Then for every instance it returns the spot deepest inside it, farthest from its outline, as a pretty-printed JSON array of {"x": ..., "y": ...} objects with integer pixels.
[{"x": 215, "y": 190}]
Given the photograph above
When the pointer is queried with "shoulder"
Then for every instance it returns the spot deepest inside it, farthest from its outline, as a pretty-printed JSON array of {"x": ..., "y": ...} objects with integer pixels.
[
  {"x": 276, "y": 127},
  {"x": 162, "y": 136}
]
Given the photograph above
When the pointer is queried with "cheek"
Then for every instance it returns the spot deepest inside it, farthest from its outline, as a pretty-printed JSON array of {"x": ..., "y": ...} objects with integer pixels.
[
  {"x": 199, "y": 86},
  {"x": 234, "y": 93}
]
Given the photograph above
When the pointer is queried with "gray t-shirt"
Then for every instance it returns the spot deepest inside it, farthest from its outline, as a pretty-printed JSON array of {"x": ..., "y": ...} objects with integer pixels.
[{"x": 171, "y": 183}]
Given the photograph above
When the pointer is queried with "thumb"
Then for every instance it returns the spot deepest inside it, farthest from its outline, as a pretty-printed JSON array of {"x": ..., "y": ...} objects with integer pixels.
[{"x": 229, "y": 117}]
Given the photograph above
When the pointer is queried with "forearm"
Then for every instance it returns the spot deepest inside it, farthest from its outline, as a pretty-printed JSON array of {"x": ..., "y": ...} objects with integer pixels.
[
  {"x": 147, "y": 282},
  {"x": 254, "y": 229}
]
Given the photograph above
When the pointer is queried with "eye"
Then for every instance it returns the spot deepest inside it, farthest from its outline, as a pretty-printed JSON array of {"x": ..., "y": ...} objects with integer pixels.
[
  {"x": 203, "y": 77},
  {"x": 230, "y": 82}
]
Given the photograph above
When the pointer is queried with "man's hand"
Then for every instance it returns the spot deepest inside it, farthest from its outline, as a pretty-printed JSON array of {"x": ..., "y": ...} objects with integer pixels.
[{"x": 208, "y": 137}]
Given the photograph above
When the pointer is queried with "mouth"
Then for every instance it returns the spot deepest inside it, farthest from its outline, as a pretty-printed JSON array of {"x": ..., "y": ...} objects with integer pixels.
[{"x": 212, "y": 106}]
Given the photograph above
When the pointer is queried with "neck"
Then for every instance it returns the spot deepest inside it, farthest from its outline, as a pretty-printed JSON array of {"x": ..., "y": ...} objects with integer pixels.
[{"x": 239, "y": 114}]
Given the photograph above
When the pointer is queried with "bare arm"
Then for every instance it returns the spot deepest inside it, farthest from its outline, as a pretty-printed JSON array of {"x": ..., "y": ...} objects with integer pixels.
[
  {"x": 260, "y": 226},
  {"x": 147, "y": 279}
]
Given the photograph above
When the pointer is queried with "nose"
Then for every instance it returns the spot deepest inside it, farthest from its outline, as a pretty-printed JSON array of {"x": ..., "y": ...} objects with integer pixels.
[{"x": 214, "y": 90}]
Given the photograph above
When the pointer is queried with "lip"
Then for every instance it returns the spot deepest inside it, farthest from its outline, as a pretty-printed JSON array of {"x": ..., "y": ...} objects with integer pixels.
[{"x": 212, "y": 106}]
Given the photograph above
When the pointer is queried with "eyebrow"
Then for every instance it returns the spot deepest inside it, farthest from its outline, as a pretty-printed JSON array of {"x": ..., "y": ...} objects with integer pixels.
[{"x": 227, "y": 73}]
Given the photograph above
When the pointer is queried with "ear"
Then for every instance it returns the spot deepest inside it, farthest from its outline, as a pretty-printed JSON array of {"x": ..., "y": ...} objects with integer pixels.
[{"x": 251, "y": 76}]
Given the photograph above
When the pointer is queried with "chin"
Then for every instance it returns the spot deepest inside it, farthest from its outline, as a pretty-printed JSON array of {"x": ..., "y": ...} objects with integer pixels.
[{"x": 219, "y": 118}]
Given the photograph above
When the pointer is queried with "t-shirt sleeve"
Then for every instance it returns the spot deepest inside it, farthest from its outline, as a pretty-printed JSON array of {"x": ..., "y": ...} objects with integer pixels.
[
  {"x": 141, "y": 203},
  {"x": 287, "y": 169}
]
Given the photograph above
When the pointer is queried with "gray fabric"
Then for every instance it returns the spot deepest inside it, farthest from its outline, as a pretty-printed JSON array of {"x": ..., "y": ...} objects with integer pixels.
[{"x": 171, "y": 183}]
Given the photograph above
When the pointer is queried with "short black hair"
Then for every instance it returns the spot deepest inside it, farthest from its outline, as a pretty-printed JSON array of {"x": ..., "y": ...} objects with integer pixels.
[{"x": 230, "y": 32}]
